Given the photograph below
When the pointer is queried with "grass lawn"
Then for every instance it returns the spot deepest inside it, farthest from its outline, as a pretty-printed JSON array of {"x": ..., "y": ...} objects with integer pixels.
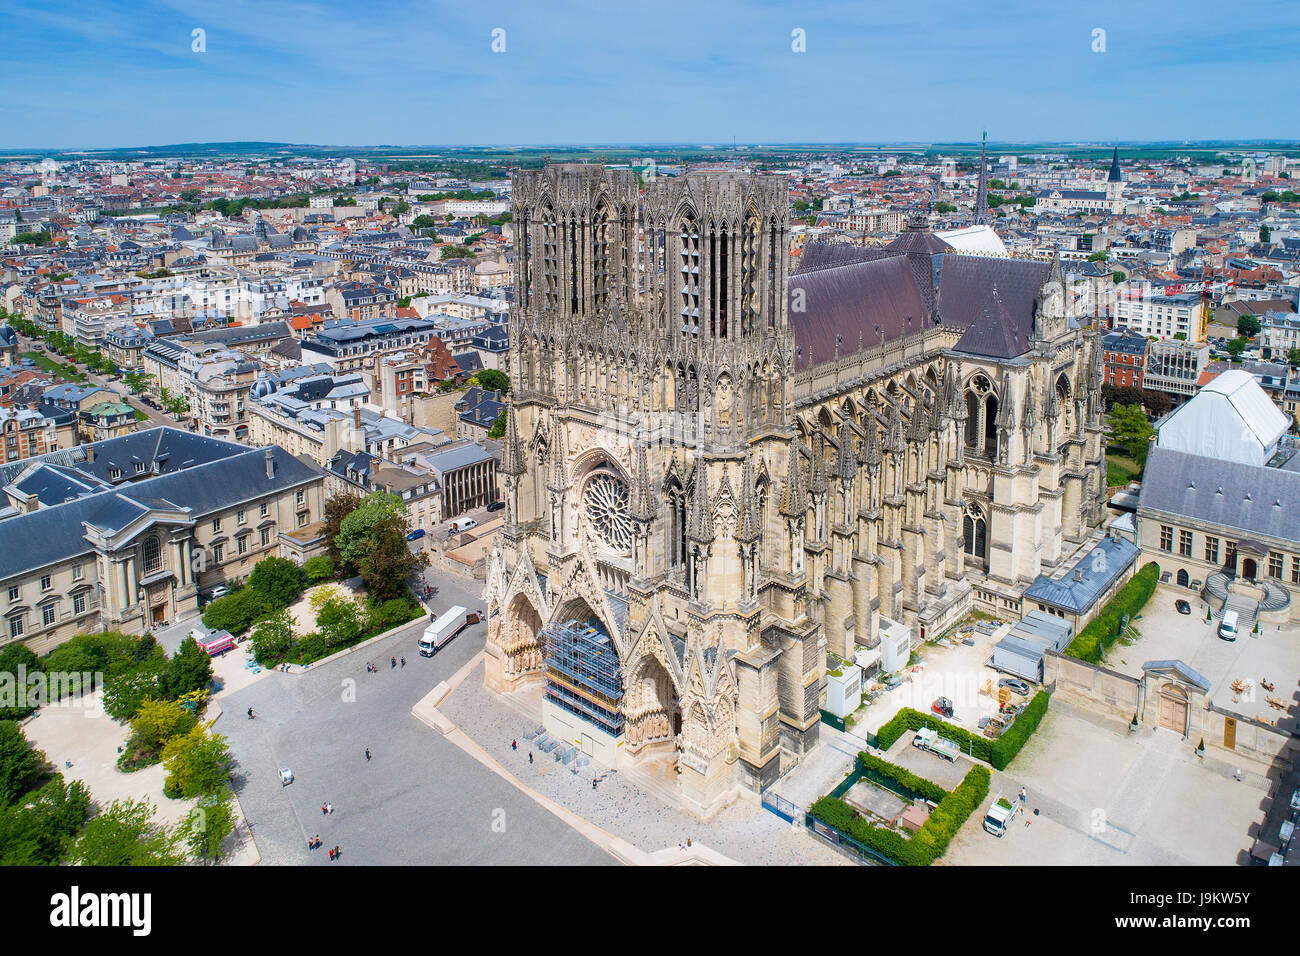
[
  {"x": 45, "y": 363},
  {"x": 140, "y": 416},
  {"x": 1120, "y": 470}
]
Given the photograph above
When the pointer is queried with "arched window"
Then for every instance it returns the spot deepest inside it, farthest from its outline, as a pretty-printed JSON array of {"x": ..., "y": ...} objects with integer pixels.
[
  {"x": 152, "y": 555},
  {"x": 974, "y": 532}
]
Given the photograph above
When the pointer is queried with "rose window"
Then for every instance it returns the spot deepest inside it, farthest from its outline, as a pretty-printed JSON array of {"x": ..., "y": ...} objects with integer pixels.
[{"x": 606, "y": 504}]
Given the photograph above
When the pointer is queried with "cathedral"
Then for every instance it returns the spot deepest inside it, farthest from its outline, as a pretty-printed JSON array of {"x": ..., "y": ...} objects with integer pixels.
[{"x": 723, "y": 468}]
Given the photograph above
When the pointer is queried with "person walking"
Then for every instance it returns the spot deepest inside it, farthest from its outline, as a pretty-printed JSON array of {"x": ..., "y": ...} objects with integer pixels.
[
  {"x": 1024, "y": 797},
  {"x": 323, "y": 811},
  {"x": 367, "y": 755},
  {"x": 337, "y": 852},
  {"x": 530, "y": 756},
  {"x": 514, "y": 745},
  {"x": 392, "y": 663},
  {"x": 250, "y": 713},
  {"x": 331, "y": 854},
  {"x": 403, "y": 661}
]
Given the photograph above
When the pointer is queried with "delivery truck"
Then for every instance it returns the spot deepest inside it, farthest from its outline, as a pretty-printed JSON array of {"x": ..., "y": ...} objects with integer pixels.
[
  {"x": 927, "y": 739},
  {"x": 1001, "y": 813},
  {"x": 447, "y": 626}
]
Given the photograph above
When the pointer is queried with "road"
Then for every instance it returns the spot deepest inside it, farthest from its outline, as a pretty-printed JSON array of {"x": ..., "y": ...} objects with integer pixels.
[
  {"x": 155, "y": 418},
  {"x": 418, "y": 800}
]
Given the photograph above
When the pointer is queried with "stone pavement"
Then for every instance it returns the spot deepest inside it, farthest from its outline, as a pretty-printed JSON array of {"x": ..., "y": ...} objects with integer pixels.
[{"x": 619, "y": 805}]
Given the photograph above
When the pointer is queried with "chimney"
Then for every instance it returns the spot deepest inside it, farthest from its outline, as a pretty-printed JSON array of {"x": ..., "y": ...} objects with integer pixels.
[
  {"x": 356, "y": 416},
  {"x": 270, "y": 464},
  {"x": 90, "y": 453},
  {"x": 1078, "y": 574}
]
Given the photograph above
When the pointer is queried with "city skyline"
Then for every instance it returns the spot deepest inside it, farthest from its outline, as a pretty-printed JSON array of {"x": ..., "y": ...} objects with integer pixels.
[{"x": 402, "y": 72}]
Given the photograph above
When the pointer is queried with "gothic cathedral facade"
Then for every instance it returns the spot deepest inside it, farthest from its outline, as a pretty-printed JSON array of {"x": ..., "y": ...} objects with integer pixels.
[{"x": 717, "y": 472}]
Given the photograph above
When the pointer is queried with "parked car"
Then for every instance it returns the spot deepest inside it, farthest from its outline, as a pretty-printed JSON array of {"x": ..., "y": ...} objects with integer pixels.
[
  {"x": 942, "y": 706},
  {"x": 1015, "y": 685},
  {"x": 219, "y": 591},
  {"x": 1182, "y": 607},
  {"x": 415, "y": 535}
]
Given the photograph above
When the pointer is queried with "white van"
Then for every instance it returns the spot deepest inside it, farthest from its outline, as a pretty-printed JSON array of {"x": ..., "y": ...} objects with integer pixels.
[
  {"x": 1228, "y": 627},
  {"x": 442, "y": 630}
]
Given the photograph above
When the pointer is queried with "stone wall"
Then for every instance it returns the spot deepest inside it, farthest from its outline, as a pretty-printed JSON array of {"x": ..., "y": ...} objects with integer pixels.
[{"x": 1095, "y": 688}]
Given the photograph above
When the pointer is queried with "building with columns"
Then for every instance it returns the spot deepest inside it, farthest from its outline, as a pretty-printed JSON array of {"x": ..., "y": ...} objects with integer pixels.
[
  {"x": 121, "y": 534},
  {"x": 718, "y": 472}
]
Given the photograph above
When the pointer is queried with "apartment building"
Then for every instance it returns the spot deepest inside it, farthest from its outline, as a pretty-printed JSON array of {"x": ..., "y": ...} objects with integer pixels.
[
  {"x": 1124, "y": 357},
  {"x": 1162, "y": 316},
  {"x": 347, "y": 347}
]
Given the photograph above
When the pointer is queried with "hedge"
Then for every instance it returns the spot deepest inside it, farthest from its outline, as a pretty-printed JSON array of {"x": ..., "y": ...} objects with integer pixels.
[
  {"x": 929, "y": 842},
  {"x": 1101, "y": 632},
  {"x": 902, "y": 776},
  {"x": 1022, "y": 728},
  {"x": 999, "y": 752}
]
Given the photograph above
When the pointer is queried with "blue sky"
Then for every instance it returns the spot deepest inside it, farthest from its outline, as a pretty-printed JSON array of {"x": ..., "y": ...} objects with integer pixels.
[{"x": 114, "y": 73}]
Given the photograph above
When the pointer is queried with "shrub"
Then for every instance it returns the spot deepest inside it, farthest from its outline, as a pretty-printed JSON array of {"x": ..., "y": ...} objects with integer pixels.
[
  {"x": 1091, "y": 643},
  {"x": 278, "y": 579},
  {"x": 157, "y": 722},
  {"x": 189, "y": 670},
  {"x": 17, "y": 659},
  {"x": 384, "y": 615},
  {"x": 237, "y": 612},
  {"x": 339, "y": 622},
  {"x": 319, "y": 569}
]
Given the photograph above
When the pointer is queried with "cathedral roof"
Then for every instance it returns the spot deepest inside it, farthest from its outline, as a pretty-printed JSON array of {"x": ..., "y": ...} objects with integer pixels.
[
  {"x": 994, "y": 333},
  {"x": 850, "y": 306},
  {"x": 966, "y": 284}
]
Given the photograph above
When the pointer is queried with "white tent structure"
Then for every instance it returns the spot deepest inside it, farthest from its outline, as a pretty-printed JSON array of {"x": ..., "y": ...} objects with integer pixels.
[
  {"x": 1230, "y": 419},
  {"x": 980, "y": 240}
]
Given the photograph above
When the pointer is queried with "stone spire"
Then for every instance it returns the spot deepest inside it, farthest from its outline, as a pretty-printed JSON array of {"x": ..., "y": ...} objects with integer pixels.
[
  {"x": 794, "y": 496},
  {"x": 644, "y": 502},
  {"x": 559, "y": 474},
  {"x": 957, "y": 401},
  {"x": 872, "y": 455},
  {"x": 894, "y": 442},
  {"x": 820, "y": 481},
  {"x": 512, "y": 453},
  {"x": 699, "y": 522},
  {"x": 918, "y": 427},
  {"x": 847, "y": 466},
  {"x": 1114, "y": 176},
  {"x": 982, "y": 190}
]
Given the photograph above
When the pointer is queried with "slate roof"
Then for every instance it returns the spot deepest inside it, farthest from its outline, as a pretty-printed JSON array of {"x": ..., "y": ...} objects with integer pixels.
[
  {"x": 995, "y": 332},
  {"x": 966, "y": 284},
  {"x": 1247, "y": 498},
  {"x": 53, "y": 534},
  {"x": 1088, "y": 579}
]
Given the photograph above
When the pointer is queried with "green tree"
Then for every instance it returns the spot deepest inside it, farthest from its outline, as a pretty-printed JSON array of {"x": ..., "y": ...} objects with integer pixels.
[
  {"x": 272, "y": 637},
  {"x": 279, "y": 579},
  {"x": 158, "y": 721},
  {"x": 1129, "y": 429},
  {"x": 336, "y": 509},
  {"x": 1236, "y": 347},
  {"x": 198, "y": 762},
  {"x": 237, "y": 612},
  {"x": 190, "y": 669},
  {"x": 1293, "y": 357},
  {"x": 1248, "y": 326},
  {"x": 17, "y": 660},
  {"x": 360, "y": 529},
  {"x": 208, "y": 825},
  {"x": 498, "y": 428},
  {"x": 126, "y": 692},
  {"x": 494, "y": 380},
  {"x": 21, "y": 765},
  {"x": 318, "y": 569},
  {"x": 39, "y": 831},
  {"x": 137, "y": 382},
  {"x": 1265, "y": 235},
  {"x": 126, "y": 834},
  {"x": 339, "y": 622},
  {"x": 1100, "y": 256}
]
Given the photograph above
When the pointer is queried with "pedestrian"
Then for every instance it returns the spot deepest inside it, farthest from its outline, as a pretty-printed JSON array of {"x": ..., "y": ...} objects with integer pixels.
[
  {"x": 403, "y": 661},
  {"x": 250, "y": 713},
  {"x": 688, "y": 841},
  {"x": 530, "y": 756},
  {"x": 329, "y": 808},
  {"x": 1023, "y": 796},
  {"x": 331, "y": 854},
  {"x": 392, "y": 662},
  {"x": 367, "y": 755},
  {"x": 323, "y": 811},
  {"x": 318, "y": 842},
  {"x": 593, "y": 783},
  {"x": 337, "y": 852},
  {"x": 514, "y": 745}
]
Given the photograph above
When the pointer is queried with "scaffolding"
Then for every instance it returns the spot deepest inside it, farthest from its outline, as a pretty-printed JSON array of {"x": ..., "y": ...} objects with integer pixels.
[{"x": 583, "y": 674}]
